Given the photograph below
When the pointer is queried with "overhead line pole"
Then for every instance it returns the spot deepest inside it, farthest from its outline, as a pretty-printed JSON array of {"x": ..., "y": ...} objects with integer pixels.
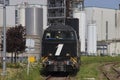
[{"x": 4, "y": 39}]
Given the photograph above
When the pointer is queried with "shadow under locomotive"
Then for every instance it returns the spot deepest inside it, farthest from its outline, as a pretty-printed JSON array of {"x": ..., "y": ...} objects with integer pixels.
[{"x": 60, "y": 49}]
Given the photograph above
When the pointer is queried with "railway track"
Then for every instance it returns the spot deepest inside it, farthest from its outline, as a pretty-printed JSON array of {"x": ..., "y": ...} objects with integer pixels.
[
  {"x": 58, "y": 78},
  {"x": 110, "y": 72},
  {"x": 117, "y": 71}
]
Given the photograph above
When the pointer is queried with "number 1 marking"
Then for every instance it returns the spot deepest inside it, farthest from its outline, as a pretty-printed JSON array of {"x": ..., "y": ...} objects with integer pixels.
[{"x": 59, "y": 49}]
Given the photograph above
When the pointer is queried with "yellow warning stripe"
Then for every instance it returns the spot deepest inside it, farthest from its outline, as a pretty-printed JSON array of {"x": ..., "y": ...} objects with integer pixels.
[
  {"x": 74, "y": 59},
  {"x": 44, "y": 59}
]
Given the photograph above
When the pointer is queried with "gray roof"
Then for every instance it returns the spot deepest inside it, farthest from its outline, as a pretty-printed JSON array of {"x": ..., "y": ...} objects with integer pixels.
[{"x": 59, "y": 27}]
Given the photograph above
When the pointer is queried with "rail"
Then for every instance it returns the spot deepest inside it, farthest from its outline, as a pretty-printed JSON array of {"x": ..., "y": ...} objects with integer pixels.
[
  {"x": 57, "y": 78},
  {"x": 110, "y": 72}
]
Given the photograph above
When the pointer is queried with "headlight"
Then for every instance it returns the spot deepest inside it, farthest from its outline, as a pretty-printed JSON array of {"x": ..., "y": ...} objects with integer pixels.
[
  {"x": 67, "y": 54},
  {"x": 50, "y": 54}
]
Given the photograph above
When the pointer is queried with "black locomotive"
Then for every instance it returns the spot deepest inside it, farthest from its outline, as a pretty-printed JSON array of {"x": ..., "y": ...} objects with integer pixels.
[{"x": 60, "y": 49}]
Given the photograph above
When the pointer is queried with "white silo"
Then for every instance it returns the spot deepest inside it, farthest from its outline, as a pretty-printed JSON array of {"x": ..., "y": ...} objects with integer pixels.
[
  {"x": 91, "y": 40},
  {"x": 34, "y": 29},
  {"x": 20, "y": 13},
  {"x": 34, "y": 21},
  {"x": 82, "y": 24}
]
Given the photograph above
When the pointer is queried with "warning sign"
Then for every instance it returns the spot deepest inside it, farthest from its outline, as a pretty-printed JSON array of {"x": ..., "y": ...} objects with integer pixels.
[{"x": 31, "y": 59}]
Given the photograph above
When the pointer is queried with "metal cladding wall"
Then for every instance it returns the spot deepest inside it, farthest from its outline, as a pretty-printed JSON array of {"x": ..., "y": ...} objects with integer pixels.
[
  {"x": 108, "y": 28},
  {"x": 105, "y": 22},
  {"x": 82, "y": 24},
  {"x": 10, "y": 13},
  {"x": 34, "y": 21},
  {"x": 91, "y": 40}
]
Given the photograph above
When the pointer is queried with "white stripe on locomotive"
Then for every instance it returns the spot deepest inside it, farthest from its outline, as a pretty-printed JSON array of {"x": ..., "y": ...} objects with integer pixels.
[{"x": 59, "y": 49}]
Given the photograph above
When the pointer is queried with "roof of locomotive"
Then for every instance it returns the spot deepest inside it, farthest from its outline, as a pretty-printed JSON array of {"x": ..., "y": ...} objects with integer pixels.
[{"x": 59, "y": 27}]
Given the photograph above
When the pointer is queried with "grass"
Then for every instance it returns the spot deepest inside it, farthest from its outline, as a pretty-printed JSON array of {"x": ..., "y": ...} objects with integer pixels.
[
  {"x": 21, "y": 73},
  {"x": 89, "y": 69},
  {"x": 90, "y": 66},
  {"x": 34, "y": 73}
]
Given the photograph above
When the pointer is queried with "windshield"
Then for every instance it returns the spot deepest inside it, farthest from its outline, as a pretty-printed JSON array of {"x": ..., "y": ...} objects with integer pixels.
[{"x": 60, "y": 35}]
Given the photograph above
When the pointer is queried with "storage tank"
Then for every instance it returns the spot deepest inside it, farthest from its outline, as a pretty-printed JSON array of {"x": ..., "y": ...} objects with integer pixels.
[
  {"x": 82, "y": 24},
  {"x": 34, "y": 21},
  {"x": 20, "y": 13},
  {"x": 34, "y": 29},
  {"x": 91, "y": 40}
]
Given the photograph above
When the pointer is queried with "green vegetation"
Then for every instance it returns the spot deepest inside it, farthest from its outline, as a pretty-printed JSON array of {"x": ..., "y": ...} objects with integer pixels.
[
  {"x": 19, "y": 72},
  {"x": 34, "y": 73},
  {"x": 89, "y": 69},
  {"x": 90, "y": 66},
  {"x": 15, "y": 41},
  {"x": 12, "y": 65}
]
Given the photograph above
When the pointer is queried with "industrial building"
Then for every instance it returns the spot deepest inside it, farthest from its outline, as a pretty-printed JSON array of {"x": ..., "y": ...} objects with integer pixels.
[
  {"x": 15, "y": 13},
  {"x": 103, "y": 22},
  {"x": 61, "y": 10},
  {"x": 31, "y": 17},
  {"x": 107, "y": 28},
  {"x": 58, "y": 11}
]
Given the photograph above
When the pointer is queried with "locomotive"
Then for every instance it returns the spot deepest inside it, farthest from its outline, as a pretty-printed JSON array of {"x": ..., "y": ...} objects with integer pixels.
[{"x": 60, "y": 49}]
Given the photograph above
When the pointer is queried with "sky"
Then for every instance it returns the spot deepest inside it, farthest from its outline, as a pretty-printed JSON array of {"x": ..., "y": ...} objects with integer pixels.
[{"x": 114, "y": 4}]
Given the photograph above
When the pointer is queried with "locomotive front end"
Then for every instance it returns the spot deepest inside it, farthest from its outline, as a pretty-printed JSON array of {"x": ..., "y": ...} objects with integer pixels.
[{"x": 60, "y": 50}]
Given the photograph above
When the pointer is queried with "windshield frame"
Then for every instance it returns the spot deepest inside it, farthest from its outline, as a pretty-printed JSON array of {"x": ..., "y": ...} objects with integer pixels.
[{"x": 59, "y": 35}]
